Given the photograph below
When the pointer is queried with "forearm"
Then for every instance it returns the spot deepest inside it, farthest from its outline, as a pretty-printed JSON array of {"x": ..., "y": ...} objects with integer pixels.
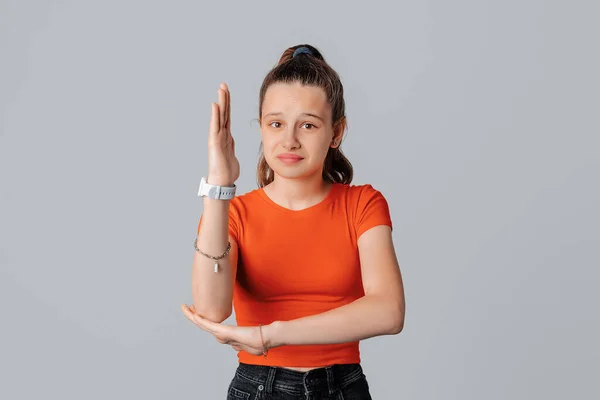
[
  {"x": 212, "y": 292},
  {"x": 366, "y": 317}
]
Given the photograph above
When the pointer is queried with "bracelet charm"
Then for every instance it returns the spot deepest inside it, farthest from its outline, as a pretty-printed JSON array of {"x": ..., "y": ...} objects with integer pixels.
[{"x": 215, "y": 259}]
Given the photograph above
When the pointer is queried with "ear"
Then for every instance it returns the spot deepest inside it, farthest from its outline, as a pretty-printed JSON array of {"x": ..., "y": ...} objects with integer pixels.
[{"x": 338, "y": 133}]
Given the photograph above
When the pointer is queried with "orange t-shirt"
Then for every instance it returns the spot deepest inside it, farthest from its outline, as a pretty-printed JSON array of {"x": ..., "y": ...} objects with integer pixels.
[{"x": 296, "y": 263}]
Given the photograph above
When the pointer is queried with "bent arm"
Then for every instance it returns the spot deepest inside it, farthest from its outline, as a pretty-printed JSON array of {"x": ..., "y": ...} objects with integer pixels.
[
  {"x": 212, "y": 292},
  {"x": 369, "y": 316},
  {"x": 380, "y": 312}
]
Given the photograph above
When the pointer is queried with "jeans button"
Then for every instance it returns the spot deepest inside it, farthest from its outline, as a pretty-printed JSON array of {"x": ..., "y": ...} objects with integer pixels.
[{"x": 261, "y": 387}]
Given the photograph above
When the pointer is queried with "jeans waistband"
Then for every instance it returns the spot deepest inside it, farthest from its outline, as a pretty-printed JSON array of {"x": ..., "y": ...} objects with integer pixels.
[{"x": 328, "y": 378}]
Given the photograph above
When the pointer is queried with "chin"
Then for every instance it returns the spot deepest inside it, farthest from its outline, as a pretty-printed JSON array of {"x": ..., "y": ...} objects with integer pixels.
[
  {"x": 287, "y": 174},
  {"x": 293, "y": 172}
]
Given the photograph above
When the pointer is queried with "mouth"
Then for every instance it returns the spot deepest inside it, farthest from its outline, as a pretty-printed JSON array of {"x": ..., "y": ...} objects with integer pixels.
[{"x": 290, "y": 158}]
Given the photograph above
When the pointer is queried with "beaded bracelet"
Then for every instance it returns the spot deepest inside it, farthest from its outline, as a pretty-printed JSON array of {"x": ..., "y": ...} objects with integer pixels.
[{"x": 215, "y": 259}]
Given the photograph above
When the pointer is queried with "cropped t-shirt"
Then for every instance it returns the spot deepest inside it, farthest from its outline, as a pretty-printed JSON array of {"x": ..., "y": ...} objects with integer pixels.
[{"x": 297, "y": 263}]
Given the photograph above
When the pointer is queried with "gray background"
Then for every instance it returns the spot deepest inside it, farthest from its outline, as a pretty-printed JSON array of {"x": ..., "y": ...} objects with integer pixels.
[{"x": 478, "y": 120}]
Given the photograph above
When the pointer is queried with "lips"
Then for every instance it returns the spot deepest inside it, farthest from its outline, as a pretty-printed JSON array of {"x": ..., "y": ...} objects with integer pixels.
[{"x": 289, "y": 158}]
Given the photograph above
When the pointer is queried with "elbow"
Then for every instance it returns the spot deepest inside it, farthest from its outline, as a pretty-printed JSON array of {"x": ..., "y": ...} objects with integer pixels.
[
  {"x": 217, "y": 316},
  {"x": 397, "y": 320},
  {"x": 220, "y": 317},
  {"x": 397, "y": 327}
]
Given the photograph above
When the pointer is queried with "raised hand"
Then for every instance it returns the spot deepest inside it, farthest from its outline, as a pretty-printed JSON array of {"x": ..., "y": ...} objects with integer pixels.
[{"x": 223, "y": 166}]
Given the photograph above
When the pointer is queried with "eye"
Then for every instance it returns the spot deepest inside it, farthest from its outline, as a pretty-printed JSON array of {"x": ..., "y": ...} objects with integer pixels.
[
  {"x": 275, "y": 122},
  {"x": 308, "y": 123}
]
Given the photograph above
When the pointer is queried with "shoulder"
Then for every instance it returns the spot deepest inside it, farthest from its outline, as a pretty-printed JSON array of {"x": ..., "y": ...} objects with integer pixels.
[
  {"x": 367, "y": 206},
  {"x": 360, "y": 193}
]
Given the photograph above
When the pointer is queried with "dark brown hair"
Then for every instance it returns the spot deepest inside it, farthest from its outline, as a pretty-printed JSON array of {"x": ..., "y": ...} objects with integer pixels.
[{"x": 311, "y": 70}]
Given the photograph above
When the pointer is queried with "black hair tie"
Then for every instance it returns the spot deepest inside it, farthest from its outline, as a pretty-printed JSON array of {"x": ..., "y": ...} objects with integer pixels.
[{"x": 301, "y": 50}]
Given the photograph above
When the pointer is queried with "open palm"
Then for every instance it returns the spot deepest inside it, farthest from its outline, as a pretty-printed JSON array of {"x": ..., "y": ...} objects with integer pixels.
[
  {"x": 223, "y": 165},
  {"x": 245, "y": 338}
]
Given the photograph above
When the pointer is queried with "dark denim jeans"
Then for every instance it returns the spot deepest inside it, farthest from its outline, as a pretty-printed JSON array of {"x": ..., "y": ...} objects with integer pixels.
[{"x": 335, "y": 382}]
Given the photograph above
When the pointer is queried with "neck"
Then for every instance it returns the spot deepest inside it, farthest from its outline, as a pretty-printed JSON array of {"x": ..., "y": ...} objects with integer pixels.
[{"x": 297, "y": 194}]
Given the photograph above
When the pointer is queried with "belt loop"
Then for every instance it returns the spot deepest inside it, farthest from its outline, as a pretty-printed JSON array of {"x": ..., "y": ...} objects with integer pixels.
[
  {"x": 270, "y": 380},
  {"x": 330, "y": 380}
]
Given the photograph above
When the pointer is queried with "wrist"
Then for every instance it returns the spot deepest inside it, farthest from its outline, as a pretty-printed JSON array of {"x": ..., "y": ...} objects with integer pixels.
[
  {"x": 219, "y": 190},
  {"x": 271, "y": 335},
  {"x": 220, "y": 181}
]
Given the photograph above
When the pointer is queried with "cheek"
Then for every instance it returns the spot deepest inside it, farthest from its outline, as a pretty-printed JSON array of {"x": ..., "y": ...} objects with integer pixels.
[
  {"x": 321, "y": 147},
  {"x": 269, "y": 142},
  {"x": 265, "y": 138}
]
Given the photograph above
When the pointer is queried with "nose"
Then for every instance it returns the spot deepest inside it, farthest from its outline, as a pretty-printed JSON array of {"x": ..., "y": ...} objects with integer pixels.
[{"x": 289, "y": 140}]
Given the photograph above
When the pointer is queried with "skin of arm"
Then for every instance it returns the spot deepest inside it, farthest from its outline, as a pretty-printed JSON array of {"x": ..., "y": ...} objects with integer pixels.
[
  {"x": 379, "y": 312},
  {"x": 212, "y": 292}
]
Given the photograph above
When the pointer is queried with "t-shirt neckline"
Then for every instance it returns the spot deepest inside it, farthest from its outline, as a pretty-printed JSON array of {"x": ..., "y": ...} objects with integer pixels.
[{"x": 315, "y": 207}]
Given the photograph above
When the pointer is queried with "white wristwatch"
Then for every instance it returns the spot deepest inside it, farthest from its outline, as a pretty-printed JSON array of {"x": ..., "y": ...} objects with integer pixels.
[{"x": 215, "y": 192}]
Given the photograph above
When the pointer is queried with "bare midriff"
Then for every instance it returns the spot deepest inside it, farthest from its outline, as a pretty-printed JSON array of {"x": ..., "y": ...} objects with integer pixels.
[{"x": 301, "y": 369}]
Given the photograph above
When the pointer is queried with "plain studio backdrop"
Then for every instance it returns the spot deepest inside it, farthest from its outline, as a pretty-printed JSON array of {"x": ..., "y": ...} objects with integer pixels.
[{"x": 478, "y": 120}]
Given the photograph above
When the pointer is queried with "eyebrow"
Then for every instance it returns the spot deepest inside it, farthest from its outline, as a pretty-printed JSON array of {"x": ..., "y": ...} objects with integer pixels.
[{"x": 307, "y": 114}]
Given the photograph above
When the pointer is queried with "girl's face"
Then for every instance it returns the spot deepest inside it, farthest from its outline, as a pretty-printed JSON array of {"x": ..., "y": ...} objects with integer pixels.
[{"x": 296, "y": 129}]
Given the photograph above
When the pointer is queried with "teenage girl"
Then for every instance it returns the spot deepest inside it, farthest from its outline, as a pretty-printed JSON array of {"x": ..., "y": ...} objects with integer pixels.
[{"x": 307, "y": 259}]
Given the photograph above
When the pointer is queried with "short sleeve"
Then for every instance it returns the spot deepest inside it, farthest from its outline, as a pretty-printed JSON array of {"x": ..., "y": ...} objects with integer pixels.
[
  {"x": 372, "y": 210},
  {"x": 234, "y": 222}
]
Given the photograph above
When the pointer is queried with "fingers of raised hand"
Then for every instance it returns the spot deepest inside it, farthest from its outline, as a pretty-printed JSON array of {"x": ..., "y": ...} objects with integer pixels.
[
  {"x": 224, "y": 106},
  {"x": 215, "y": 122},
  {"x": 227, "y": 123},
  {"x": 227, "y": 110},
  {"x": 221, "y": 113},
  {"x": 221, "y": 102}
]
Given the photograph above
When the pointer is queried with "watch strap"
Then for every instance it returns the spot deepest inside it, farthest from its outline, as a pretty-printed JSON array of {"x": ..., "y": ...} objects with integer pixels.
[{"x": 216, "y": 192}]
